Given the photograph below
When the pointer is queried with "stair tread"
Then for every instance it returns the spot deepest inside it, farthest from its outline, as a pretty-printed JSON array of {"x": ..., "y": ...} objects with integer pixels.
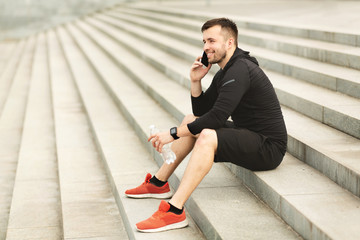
[
  {"x": 121, "y": 172},
  {"x": 11, "y": 123},
  {"x": 178, "y": 44},
  {"x": 351, "y": 146},
  {"x": 35, "y": 201},
  {"x": 325, "y": 204},
  {"x": 344, "y": 105},
  {"x": 181, "y": 21},
  {"x": 327, "y": 75},
  {"x": 313, "y": 65},
  {"x": 334, "y": 100},
  {"x": 6, "y": 77},
  {"x": 291, "y": 186},
  {"x": 310, "y": 31},
  {"x": 153, "y": 114},
  {"x": 182, "y": 66},
  {"x": 7, "y": 48},
  {"x": 337, "y": 145},
  {"x": 74, "y": 133},
  {"x": 86, "y": 196},
  {"x": 196, "y": 24},
  {"x": 340, "y": 99}
]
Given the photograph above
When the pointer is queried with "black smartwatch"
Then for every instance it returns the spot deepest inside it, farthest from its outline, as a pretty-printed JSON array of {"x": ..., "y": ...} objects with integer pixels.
[{"x": 173, "y": 133}]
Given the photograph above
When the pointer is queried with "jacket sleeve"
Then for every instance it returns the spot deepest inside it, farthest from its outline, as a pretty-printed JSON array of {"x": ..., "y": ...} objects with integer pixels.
[
  {"x": 203, "y": 103},
  {"x": 232, "y": 87}
]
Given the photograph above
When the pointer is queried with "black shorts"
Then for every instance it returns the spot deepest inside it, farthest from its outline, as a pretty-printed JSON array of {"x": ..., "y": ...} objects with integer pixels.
[{"x": 247, "y": 149}]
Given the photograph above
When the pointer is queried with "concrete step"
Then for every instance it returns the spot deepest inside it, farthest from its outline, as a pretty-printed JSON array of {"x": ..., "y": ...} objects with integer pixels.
[
  {"x": 7, "y": 75},
  {"x": 330, "y": 76},
  {"x": 291, "y": 198},
  {"x": 328, "y": 150},
  {"x": 7, "y": 48},
  {"x": 343, "y": 165},
  {"x": 122, "y": 155},
  {"x": 11, "y": 128},
  {"x": 88, "y": 206},
  {"x": 35, "y": 208},
  {"x": 312, "y": 101},
  {"x": 284, "y": 28},
  {"x": 338, "y": 54},
  {"x": 141, "y": 111}
]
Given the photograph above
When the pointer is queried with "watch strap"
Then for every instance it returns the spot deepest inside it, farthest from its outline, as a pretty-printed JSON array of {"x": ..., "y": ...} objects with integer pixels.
[{"x": 173, "y": 133}]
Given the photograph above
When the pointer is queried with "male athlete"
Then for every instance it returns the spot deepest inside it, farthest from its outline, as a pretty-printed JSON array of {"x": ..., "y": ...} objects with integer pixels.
[{"x": 255, "y": 139}]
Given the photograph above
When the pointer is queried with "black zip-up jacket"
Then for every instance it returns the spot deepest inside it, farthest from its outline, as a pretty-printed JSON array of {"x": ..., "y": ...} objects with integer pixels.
[{"x": 243, "y": 91}]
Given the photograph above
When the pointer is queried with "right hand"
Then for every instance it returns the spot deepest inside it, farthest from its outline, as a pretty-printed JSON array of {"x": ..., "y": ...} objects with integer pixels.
[{"x": 197, "y": 72}]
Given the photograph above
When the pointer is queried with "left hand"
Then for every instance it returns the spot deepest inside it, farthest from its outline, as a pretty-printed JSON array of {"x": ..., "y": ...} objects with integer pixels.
[{"x": 158, "y": 140}]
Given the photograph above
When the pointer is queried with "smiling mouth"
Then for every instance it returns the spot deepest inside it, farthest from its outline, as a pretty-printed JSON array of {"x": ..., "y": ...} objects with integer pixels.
[{"x": 209, "y": 55}]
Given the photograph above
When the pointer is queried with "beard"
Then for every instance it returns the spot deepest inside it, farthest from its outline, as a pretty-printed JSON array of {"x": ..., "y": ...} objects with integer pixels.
[{"x": 219, "y": 55}]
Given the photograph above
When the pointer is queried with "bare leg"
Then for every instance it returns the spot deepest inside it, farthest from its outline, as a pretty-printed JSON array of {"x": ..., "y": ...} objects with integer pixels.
[
  {"x": 181, "y": 147},
  {"x": 199, "y": 165}
]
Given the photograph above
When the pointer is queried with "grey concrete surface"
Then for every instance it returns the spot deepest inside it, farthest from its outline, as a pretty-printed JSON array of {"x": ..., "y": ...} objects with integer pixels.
[
  {"x": 180, "y": 72},
  {"x": 102, "y": 52},
  {"x": 341, "y": 16},
  {"x": 92, "y": 91},
  {"x": 88, "y": 205},
  {"x": 11, "y": 128},
  {"x": 151, "y": 55},
  {"x": 219, "y": 180},
  {"x": 327, "y": 31},
  {"x": 20, "y": 18},
  {"x": 35, "y": 209},
  {"x": 310, "y": 101}
]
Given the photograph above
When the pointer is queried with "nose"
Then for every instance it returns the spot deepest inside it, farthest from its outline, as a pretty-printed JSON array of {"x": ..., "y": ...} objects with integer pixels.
[{"x": 205, "y": 47}]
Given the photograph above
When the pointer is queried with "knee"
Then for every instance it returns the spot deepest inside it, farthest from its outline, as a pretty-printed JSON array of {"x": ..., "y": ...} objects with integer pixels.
[
  {"x": 207, "y": 138},
  {"x": 188, "y": 119}
]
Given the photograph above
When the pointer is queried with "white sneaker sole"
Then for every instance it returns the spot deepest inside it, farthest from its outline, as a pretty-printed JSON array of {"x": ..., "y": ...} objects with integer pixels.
[
  {"x": 151, "y": 195},
  {"x": 167, "y": 227}
]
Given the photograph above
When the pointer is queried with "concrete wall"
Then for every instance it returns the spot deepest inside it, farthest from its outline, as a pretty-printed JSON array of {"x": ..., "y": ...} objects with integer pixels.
[{"x": 20, "y": 18}]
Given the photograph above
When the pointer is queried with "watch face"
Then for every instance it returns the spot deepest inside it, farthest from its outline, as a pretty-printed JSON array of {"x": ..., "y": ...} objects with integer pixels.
[{"x": 173, "y": 131}]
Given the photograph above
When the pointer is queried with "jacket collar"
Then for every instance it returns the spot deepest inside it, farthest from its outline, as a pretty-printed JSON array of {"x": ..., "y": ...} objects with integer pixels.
[{"x": 239, "y": 53}]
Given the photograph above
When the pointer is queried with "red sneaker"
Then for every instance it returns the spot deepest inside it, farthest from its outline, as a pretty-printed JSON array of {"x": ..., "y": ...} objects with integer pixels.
[
  {"x": 163, "y": 220},
  {"x": 149, "y": 190}
]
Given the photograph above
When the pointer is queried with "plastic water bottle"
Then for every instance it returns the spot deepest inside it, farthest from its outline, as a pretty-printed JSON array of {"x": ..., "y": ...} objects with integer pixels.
[{"x": 167, "y": 154}]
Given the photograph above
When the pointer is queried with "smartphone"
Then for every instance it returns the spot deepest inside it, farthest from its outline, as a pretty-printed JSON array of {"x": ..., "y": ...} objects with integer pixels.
[{"x": 204, "y": 59}]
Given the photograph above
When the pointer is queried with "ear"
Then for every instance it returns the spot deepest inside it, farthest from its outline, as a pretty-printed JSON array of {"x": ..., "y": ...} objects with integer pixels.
[{"x": 230, "y": 42}]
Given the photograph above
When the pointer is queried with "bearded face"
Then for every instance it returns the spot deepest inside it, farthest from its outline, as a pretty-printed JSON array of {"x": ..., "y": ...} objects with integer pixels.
[{"x": 216, "y": 45}]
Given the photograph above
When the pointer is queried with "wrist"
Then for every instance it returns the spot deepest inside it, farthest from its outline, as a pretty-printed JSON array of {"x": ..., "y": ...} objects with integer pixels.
[{"x": 173, "y": 133}]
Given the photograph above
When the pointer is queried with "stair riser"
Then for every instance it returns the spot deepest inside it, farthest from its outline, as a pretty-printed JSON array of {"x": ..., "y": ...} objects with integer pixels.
[
  {"x": 129, "y": 228},
  {"x": 292, "y": 148},
  {"x": 173, "y": 23},
  {"x": 334, "y": 37},
  {"x": 12, "y": 121},
  {"x": 191, "y": 206},
  {"x": 73, "y": 55},
  {"x": 330, "y": 82},
  {"x": 142, "y": 134},
  {"x": 343, "y": 176},
  {"x": 320, "y": 113},
  {"x": 337, "y": 58},
  {"x": 320, "y": 79},
  {"x": 279, "y": 204},
  {"x": 155, "y": 63},
  {"x": 310, "y": 109},
  {"x": 196, "y": 42},
  {"x": 175, "y": 182}
]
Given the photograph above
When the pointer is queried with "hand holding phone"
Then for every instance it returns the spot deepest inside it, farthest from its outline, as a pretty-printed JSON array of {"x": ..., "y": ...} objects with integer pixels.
[{"x": 204, "y": 59}]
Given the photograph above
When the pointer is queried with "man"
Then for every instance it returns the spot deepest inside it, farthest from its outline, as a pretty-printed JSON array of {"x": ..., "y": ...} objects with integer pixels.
[{"x": 255, "y": 139}]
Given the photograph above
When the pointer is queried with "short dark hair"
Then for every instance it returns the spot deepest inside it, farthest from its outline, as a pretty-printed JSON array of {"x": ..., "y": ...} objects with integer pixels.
[{"x": 226, "y": 24}]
